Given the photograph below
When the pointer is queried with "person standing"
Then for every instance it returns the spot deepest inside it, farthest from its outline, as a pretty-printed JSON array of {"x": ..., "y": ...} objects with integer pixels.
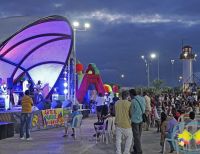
[
  {"x": 69, "y": 120},
  {"x": 38, "y": 97},
  {"x": 100, "y": 102},
  {"x": 27, "y": 104},
  {"x": 3, "y": 89},
  {"x": 115, "y": 98},
  {"x": 147, "y": 109},
  {"x": 123, "y": 123},
  {"x": 170, "y": 125},
  {"x": 163, "y": 129},
  {"x": 136, "y": 111}
]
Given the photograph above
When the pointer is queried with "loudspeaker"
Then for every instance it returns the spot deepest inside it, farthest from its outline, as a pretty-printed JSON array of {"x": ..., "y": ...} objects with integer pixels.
[{"x": 9, "y": 83}]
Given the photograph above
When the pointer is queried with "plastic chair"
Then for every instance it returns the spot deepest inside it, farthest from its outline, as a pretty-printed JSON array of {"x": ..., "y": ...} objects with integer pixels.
[
  {"x": 76, "y": 124},
  {"x": 106, "y": 130},
  {"x": 100, "y": 131},
  {"x": 110, "y": 130},
  {"x": 178, "y": 129}
]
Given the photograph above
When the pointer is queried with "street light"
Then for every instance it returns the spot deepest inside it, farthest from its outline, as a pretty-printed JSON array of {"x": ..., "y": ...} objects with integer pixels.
[
  {"x": 76, "y": 27},
  {"x": 154, "y": 56},
  {"x": 180, "y": 78},
  {"x": 147, "y": 68},
  {"x": 76, "y": 24},
  {"x": 142, "y": 56},
  {"x": 87, "y": 25},
  {"x": 147, "y": 63},
  {"x": 172, "y": 73}
]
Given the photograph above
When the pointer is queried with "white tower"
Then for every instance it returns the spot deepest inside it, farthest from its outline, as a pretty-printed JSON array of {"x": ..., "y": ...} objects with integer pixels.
[{"x": 187, "y": 56}]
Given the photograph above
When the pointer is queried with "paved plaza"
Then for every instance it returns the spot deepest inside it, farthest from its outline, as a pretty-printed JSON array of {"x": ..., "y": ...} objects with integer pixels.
[{"x": 51, "y": 142}]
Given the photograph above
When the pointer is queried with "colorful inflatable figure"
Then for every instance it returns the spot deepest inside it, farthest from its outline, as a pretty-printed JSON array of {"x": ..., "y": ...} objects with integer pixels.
[{"x": 91, "y": 77}]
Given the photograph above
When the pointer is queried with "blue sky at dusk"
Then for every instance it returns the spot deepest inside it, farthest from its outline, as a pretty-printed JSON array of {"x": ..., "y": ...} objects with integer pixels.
[{"x": 121, "y": 31}]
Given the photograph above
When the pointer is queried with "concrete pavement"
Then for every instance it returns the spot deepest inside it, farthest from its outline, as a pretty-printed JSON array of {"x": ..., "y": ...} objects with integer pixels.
[{"x": 51, "y": 142}]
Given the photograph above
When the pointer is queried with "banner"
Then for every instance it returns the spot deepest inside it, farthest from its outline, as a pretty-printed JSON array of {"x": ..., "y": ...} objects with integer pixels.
[
  {"x": 53, "y": 117},
  {"x": 37, "y": 120}
]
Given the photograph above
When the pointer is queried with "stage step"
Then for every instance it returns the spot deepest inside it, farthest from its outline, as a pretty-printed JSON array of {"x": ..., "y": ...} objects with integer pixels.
[{"x": 6, "y": 130}]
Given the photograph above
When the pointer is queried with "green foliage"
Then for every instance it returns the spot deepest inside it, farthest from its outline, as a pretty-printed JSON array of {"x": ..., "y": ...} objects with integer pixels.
[
  {"x": 158, "y": 88},
  {"x": 157, "y": 84}
]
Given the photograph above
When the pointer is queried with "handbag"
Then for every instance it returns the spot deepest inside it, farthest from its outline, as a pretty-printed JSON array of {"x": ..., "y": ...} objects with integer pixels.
[{"x": 144, "y": 116}]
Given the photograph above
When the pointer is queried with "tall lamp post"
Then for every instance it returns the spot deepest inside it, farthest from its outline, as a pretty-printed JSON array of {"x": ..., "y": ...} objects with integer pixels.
[
  {"x": 77, "y": 27},
  {"x": 153, "y": 56},
  {"x": 147, "y": 64},
  {"x": 172, "y": 62}
]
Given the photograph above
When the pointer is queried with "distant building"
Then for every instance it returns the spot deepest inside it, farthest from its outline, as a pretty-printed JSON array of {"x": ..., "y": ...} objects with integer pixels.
[{"x": 187, "y": 56}]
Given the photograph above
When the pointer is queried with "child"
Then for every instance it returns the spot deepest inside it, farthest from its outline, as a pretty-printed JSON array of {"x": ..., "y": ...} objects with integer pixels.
[{"x": 69, "y": 120}]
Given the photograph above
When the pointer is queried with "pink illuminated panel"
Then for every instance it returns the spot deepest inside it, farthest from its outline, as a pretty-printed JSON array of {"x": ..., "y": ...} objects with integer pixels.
[
  {"x": 54, "y": 51},
  {"x": 43, "y": 28}
]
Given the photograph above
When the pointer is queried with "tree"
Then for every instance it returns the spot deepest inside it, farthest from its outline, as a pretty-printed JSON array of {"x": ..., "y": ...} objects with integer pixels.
[{"x": 157, "y": 84}]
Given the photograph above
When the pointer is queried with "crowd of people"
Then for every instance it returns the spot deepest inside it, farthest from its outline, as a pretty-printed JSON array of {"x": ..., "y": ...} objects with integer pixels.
[
  {"x": 136, "y": 111},
  {"x": 133, "y": 111}
]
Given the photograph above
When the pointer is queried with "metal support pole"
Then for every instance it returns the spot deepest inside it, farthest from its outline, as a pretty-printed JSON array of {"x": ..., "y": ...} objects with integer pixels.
[
  {"x": 74, "y": 49},
  {"x": 148, "y": 78},
  {"x": 158, "y": 68}
]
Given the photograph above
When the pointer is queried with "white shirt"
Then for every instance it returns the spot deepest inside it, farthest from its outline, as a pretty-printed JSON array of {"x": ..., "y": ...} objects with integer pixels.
[
  {"x": 100, "y": 101},
  {"x": 148, "y": 103},
  {"x": 25, "y": 85}
]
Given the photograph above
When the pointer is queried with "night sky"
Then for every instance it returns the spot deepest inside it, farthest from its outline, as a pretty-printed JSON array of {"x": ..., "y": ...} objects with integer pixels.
[{"x": 121, "y": 31}]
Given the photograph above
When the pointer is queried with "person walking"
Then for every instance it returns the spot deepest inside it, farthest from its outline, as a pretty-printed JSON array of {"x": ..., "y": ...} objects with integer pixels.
[
  {"x": 147, "y": 110},
  {"x": 137, "y": 110},
  {"x": 123, "y": 123},
  {"x": 100, "y": 103},
  {"x": 27, "y": 104}
]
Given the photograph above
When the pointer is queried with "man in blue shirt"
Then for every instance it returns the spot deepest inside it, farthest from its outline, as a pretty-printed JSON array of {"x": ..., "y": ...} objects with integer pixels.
[{"x": 136, "y": 111}]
